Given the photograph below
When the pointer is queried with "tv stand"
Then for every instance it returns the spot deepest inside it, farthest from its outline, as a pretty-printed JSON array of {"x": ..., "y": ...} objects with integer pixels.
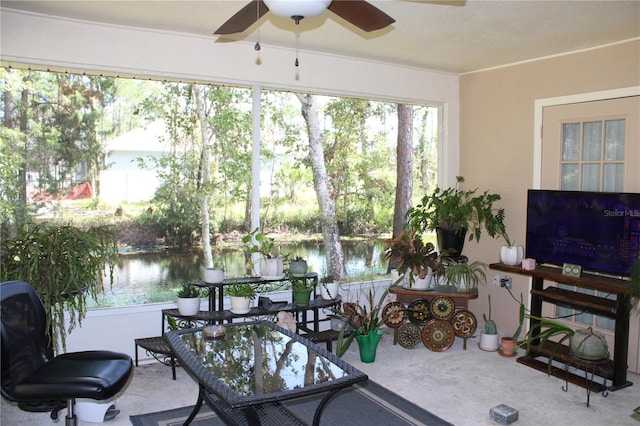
[{"x": 618, "y": 309}]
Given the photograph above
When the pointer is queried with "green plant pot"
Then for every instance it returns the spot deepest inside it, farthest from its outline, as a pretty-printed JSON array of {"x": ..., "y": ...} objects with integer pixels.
[
  {"x": 301, "y": 297},
  {"x": 368, "y": 345}
]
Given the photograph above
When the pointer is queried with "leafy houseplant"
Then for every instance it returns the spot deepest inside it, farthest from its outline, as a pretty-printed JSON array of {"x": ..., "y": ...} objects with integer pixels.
[
  {"x": 64, "y": 264},
  {"x": 188, "y": 299},
  {"x": 408, "y": 253},
  {"x": 366, "y": 320},
  {"x": 270, "y": 264},
  {"x": 455, "y": 212},
  {"x": 241, "y": 296},
  {"x": 464, "y": 275},
  {"x": 301, "y": 291},
  {"x": 541, "y": 331}
]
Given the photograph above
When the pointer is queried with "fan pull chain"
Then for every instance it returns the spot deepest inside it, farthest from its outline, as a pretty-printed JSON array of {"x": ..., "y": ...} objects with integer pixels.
[{"x": 297, "y": 21}]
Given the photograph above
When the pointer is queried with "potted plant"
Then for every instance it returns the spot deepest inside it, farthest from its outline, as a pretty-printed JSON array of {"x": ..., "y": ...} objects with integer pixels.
[
  {"x": 298, "y": 267},
  {"x": 301, "y": 291},
  {"x": 464, "y": 276},
  {"x": 510, "y": 254},
  {"x": 215, "y": 274},
  {"x": 366, "y": 320},
  {"x": 541, "y": 331},
  {"x": 271, "y": 264},
  {"x": 188, "y": 300},
  {"x": 241, "y": 295},
  {"x": 64, "y": 265},
  {"x": 453, "y": 212},
  {"x": 489, "y": 339},
  {"x": 509, "y": 343},
  {"x": 410, "y": 255},
  {"x": 329, "y": 288}
]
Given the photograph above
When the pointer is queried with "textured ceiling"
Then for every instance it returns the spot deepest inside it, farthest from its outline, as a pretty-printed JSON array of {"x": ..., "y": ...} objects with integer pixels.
[{"x": 448, "y": 36}]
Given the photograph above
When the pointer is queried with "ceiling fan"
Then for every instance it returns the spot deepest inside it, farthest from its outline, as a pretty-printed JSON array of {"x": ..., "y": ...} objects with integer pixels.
[{"x": 358, "y": 12}]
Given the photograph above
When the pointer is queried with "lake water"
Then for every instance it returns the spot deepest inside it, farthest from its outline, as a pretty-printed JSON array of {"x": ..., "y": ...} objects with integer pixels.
[{"x": 155, "y": 277}]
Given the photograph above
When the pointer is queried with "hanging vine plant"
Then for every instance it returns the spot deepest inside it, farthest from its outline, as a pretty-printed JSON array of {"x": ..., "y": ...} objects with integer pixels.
[{"x": 65, "y": 265}]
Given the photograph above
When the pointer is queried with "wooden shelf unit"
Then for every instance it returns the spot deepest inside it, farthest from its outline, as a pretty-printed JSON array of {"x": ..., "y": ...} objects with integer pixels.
[{"x": 618, "y": 309}]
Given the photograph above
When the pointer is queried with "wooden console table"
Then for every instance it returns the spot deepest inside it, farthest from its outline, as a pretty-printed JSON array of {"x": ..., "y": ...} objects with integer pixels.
[{"x": 618, "y": 309}]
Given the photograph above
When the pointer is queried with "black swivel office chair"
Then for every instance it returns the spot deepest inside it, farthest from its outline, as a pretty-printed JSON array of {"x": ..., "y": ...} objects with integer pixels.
[{"x": 33, "y": 377}]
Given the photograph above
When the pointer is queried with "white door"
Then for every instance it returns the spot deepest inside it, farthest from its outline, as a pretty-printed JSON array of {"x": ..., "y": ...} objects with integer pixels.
[{"x": 593, "y": 146}]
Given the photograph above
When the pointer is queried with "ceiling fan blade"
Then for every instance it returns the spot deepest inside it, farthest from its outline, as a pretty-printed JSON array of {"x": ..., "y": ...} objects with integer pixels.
[
  {"x": 363, "y": 15},
  {"x": 244, "y": 18}
]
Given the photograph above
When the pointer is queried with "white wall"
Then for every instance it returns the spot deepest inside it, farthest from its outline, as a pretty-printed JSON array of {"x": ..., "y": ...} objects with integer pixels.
[{"x": 62, "y": 44}]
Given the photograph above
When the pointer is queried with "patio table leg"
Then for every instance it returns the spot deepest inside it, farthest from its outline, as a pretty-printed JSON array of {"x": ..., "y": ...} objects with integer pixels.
[
  {"x": 327, "y": 397},
  {"x": 197, "y": 407}
]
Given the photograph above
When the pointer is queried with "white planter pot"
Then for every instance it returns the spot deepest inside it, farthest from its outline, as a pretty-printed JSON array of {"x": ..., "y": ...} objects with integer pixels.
[
  {"x": 188, "y": 306},
  {"x": 213, "y": 276},
  {"x": 329, "y": 291},
  {"x": 271, "y": 268},
  {"x": 240, "y": 305},
  {"x": 511, "y": 255},
  {"x": 489, "y": 342},
  {"x": 422, "y": 283}
]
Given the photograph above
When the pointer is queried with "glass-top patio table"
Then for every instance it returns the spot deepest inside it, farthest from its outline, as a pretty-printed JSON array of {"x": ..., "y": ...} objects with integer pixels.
[{"x": 246, "y": 374}]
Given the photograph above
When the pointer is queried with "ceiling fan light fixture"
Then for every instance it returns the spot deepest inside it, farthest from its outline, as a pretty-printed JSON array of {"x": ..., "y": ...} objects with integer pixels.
[{"x": 291, "y": 8}]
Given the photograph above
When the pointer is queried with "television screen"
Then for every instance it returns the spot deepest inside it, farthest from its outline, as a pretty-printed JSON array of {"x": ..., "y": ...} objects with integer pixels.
[{"x": 597, "y": 230}]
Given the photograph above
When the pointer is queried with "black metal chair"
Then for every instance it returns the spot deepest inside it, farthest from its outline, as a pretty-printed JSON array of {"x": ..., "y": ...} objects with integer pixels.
[{"x": 36, "y": 379}]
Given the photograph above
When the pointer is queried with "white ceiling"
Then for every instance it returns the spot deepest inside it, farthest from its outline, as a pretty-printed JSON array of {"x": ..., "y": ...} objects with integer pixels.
[{"x": 456, "y": 37}]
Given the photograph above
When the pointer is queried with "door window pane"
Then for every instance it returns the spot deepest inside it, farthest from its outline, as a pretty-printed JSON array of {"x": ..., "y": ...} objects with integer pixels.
[
  {"x": 590, "y": 177},
  {"x": 614, "y": 140},
  {"x": 592, "y": 141},
  {"x": 570, "y": 177},
  {"x": 613, "y": 177},
  {"x": 571, "y": 142}
]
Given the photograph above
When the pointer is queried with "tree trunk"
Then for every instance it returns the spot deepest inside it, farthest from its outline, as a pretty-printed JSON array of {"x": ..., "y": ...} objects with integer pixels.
[
  {"x": 206, "y": 179},
  {"x": 329, "y": 226},
  {"x": 404, "y": 167}
]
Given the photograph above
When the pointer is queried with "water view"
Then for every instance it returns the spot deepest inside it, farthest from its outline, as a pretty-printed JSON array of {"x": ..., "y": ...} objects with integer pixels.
[{"x": 154, "y": 277}]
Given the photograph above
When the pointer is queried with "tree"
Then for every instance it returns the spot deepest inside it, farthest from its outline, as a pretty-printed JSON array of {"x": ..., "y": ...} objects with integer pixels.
[
  {"x": 329, "y": 226},
  {"x": 404, "y": 167},
  {"x": 49, "y": 133}
]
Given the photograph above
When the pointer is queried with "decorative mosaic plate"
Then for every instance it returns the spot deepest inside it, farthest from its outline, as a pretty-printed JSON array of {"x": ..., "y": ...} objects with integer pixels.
[
  {"x": 442, "y": 307},
  {"x": 409, "y": 335},
  {"x": 394, "y": 314},
  {"x": 464, "y": 323},
  {"x": 419, "y": 311},
  {"x": 438, "y": 335}
]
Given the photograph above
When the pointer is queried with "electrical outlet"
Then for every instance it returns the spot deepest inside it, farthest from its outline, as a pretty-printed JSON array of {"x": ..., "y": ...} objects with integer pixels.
[
  {"x": 506, "y": 282},
  {"x": 496, "y": 279}
]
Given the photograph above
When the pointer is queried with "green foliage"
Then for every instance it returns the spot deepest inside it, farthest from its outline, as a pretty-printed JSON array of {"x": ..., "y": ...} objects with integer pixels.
[
  {"x": 471, "y": 273},
  {"x": 365, "y": 318},
  {"x": 409, "y": 253},
  {"x": 265, "y": 245},
  {"x": 543, "y": 329},
  {"x": 456, "y": 209},
  {"x": 241, "y": 290},
  {"x": 188, "y": 291},
  {"x": 64, "y": 264}
]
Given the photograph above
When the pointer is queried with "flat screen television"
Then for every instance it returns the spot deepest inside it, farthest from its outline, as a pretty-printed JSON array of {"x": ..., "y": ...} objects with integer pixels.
[{"x": 599, "y": 231}]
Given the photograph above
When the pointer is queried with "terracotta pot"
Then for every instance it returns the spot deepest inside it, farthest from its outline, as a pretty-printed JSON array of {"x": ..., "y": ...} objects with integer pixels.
[{"x": 508, "y": 346}]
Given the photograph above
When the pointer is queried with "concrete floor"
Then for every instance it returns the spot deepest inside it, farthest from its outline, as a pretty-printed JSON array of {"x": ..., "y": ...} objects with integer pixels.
[{"x": 458, "y": 385}]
